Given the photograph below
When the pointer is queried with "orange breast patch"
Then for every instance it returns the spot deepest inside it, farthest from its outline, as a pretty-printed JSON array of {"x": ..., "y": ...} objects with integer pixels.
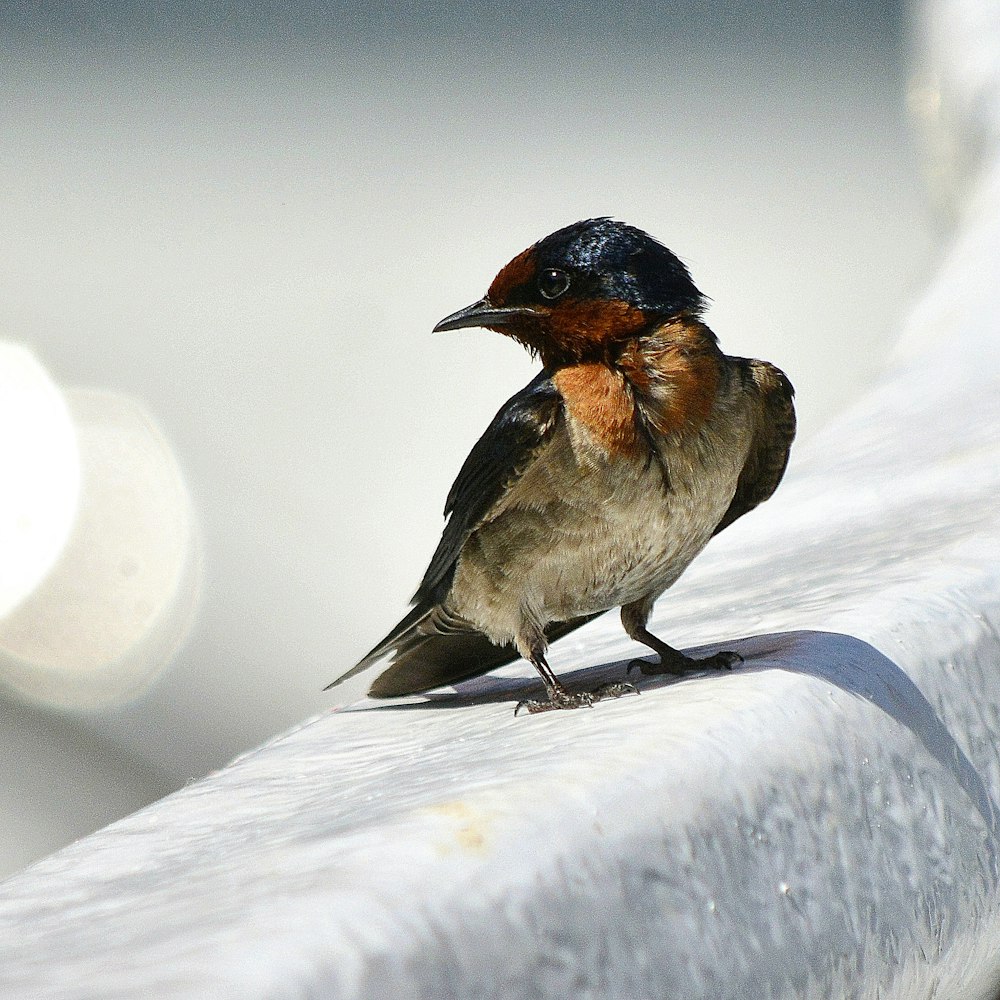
[{"x": 600, "y": 399}]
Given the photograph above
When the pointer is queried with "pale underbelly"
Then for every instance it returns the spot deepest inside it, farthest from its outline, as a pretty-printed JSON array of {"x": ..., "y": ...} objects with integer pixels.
[{"x": 611, "y": 537}]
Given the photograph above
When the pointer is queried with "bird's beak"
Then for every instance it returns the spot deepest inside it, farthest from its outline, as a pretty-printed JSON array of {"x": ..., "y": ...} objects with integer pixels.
[{"x": 483, "y": 313}]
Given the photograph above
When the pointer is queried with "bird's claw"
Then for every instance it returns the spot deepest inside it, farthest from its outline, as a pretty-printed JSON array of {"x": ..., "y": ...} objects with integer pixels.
[
  {"x": 645, "y": 667},
  {"x": 556, "y": 699},
  {"x": 576, "y": 699},
  {"x": 614, "y": 690},
  {"x": 724, "y": 660}
]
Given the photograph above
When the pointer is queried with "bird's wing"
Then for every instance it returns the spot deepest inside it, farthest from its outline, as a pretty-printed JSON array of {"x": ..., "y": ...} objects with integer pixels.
[
  {"x": 428, "y": 660},
  {"x": 430, "y": 646},
  {"x": 497, "y": 460},
  {"x": 768, "y": 454}
]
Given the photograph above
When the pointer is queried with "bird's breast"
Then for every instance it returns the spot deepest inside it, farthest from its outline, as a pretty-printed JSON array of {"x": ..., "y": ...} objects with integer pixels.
[
  {"x": 599, "y": 519},
  {"x": 599, "y": 403}
]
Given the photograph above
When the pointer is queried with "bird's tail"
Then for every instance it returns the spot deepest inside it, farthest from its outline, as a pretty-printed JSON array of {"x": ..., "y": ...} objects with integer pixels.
[{"x": 430, "y": 649}]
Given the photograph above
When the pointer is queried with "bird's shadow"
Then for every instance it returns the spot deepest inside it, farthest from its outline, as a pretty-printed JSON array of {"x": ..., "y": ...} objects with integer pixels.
[{"x": 843, "y": 661}]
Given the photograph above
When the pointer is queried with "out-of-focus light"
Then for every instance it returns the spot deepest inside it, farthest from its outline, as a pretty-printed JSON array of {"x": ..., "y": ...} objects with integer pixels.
[
  {"x": 105, "y": 621},
  {"x": 39, "y": 473}
]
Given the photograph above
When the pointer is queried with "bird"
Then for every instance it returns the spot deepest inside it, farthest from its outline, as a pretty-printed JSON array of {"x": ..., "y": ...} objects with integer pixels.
[{"x": 597, "y": 484}]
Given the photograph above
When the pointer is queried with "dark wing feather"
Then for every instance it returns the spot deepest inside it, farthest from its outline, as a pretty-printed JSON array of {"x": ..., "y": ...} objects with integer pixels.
[
  {"x": 497, "y": 460},
  {"x": 768, "y": 455},
  {"x": 430, "y": 646},
  {"x": 428, "y": 661}
]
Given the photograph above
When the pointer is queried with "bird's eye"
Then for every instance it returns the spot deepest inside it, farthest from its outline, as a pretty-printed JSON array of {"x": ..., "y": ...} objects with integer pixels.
[{"x": 552, "y": 283}]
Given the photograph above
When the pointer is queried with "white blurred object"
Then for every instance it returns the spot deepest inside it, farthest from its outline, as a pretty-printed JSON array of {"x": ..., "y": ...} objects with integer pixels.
[
  {"x": 40, "y": 472},
  {"x": 954, "y": 97},
  {"x": 98, "y": 580},
  {"x": 104, "y": 622}
]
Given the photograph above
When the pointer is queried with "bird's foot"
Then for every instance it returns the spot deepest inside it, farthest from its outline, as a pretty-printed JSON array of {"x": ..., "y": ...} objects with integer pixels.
[
  {"x": 561, "y": 698},
  {"x": 679, "y": 665}
]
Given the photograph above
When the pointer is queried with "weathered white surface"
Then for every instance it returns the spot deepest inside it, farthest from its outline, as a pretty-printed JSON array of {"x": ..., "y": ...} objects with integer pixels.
[{"x": 820, "y": 823}]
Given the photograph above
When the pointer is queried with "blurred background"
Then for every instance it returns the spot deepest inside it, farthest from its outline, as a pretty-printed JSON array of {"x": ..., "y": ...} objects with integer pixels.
[{"x": 226, "y": 433}]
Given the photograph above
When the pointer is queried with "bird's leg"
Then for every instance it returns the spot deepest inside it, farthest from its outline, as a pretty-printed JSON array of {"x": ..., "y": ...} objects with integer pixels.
[
  {"x": 672, "y": 661},
  {"x": 559, "y": 697}
]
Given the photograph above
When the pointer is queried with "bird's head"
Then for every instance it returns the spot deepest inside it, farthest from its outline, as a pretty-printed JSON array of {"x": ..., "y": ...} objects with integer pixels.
[{"x": 582, "y": 290}]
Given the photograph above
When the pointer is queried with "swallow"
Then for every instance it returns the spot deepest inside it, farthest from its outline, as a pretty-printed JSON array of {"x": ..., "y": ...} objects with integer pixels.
[{"x": 597, "y": 484}]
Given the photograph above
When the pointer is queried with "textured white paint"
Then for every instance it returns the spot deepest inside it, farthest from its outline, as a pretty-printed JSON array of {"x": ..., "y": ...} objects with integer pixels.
[{"x": 819, "y": 823}]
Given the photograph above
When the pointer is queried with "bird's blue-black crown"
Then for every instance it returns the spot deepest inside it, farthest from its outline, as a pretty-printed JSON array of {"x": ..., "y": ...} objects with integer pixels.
[{"x": 611, "y": 260}]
